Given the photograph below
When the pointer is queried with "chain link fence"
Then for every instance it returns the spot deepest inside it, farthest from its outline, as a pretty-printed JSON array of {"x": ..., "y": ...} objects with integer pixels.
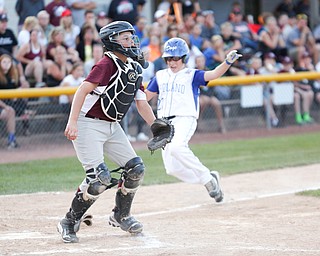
[{"x": 44, "y": 120}]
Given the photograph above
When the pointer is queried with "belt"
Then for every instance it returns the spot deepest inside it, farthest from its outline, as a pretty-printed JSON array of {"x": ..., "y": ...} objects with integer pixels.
[
  {"x": 98, "y": 118},
  {"x": 169, "y": 117}
]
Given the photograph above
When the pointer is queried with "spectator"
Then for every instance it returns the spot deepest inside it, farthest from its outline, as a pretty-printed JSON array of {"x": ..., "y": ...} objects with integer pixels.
[
  {"x": 32, "y": 57},
  {"x": 24, "y": 35},
  {"x": 26, "y": 8},
  {"x": 153, "y": 29},
  {"x": 59, "y": 68},
  {"x": 85, "y": 45},
  {"x": 90, "y": 19},
  {"x": 102, "y": 20},
  {"x": 8, "y": 41},
  {"x": 74, "y": 79},
  {"x": 195, "y": 36},
  {"x": 127, "y": 10},
  {"x": 207, "y": 98},
  {"x": 161, "y": 20},
  {"x": 301, "y": 40},
  {"x": 303, "y": 92},
  {"x": 179, "y": 8},
  {"x": 78, "y": 9},
  {"x": 172, "y": 31},
  {"x": 287, "y": 7},
  {"x": 154, "y": 47},
  {"x": 149, "y": 72},
  {"x": 56, "y": 39},
  {"x": 8, "y": 45},
  {"x": 254, "y": 65},
  {"x": 214, "y": 53},
  {"x": 271, "y": 39},
  {"x": 8, "y": 114},
  {"x": 242, "y": 31},
  {"x": 55, "y": 9},
  {"x": 199, "y": 18},
  {"x": 97, "y": 54},
  {"x": 188, "y": 23},
  {"x": 46, "y": 27},
  {"x": 229, "y": 40},
  {"x": 70, "y": 30},
  {"x": 194, "y": 50},
  {"x": 159, "y": 63},
  {"x": 140, "y": 27},
  {"x": 209, "y": 28},
  {"x": 286, "y": 24},
  {"x": 303, "y": 6},
  {"x": 9, "y": 80},
  {"x": 270, "y": 66}
]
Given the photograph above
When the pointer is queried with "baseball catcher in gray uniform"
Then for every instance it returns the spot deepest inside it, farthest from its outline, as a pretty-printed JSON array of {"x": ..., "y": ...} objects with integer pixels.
[{"x": 99, "y": 104}]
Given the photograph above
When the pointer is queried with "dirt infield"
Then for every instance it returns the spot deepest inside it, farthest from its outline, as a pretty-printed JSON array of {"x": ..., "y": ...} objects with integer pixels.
[{"x": 261, "y": 216}]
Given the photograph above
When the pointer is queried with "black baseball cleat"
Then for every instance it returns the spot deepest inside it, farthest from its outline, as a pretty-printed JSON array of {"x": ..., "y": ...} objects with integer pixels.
[
  {"x": 128, "y": 224},
  {"x": 66, "y": 229},
  {"x": 213, "y": 187}
]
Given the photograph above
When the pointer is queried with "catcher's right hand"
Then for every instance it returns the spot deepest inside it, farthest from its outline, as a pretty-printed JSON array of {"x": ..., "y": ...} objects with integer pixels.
[{"x": 163, "y": 131}]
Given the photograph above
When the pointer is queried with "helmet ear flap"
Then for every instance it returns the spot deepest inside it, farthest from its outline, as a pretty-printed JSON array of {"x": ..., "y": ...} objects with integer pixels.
[{"x": 185, "y": 59}]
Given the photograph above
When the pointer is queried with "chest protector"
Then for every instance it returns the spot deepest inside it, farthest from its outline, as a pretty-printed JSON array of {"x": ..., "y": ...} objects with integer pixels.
[{"x": 120, "y": 92}]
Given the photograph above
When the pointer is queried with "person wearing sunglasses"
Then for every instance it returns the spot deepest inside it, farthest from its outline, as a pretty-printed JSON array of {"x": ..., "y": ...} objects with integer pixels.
[{"x": 178, "y": 89}]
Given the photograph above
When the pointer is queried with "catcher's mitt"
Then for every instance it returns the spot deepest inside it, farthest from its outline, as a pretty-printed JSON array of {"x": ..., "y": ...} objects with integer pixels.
[{"x": 162, "y": 131}]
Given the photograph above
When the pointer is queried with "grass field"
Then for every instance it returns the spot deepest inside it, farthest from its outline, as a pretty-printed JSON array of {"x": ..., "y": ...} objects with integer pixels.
[{"x": 229, "y": 158}]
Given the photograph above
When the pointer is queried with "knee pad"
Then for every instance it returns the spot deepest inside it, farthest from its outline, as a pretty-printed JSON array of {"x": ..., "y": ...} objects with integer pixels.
[
  {"x": 133, "y": 175},
  {"x": 98, "y": 180}
]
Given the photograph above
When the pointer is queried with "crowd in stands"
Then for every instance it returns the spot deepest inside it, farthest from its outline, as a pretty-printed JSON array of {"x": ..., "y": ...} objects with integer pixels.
[{"x": 58, "y": 43}]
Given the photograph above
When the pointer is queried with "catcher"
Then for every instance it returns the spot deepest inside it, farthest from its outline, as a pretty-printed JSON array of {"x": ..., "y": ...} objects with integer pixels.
[
  {"x": 99, "y": 104},
  {"x": 177, "y": 88}
]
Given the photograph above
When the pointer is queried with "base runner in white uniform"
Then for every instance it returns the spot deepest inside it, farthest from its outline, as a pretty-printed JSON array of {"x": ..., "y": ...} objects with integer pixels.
[{"x": 177, "y": 88}]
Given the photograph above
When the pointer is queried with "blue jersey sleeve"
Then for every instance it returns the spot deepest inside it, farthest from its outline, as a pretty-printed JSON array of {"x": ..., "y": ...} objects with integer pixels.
[
  {"x": 153, "y": 85},
  {"x": 198, "y": 79}
]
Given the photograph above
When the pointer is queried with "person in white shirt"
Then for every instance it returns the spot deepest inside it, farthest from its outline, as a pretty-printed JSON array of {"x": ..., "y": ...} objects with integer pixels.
[
  {"x": 74, "y": 79},
  {"x": 178, "y": 89}
]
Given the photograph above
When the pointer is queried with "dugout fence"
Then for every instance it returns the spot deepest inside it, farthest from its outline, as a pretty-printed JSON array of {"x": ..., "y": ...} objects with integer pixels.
[{"x": 246, "y": 108}]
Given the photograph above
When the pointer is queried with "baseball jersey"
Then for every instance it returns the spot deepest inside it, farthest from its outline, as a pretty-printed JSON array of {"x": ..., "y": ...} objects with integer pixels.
[
  {"x": 178, "y": 92},
  {"x": 104, "y": 72}
]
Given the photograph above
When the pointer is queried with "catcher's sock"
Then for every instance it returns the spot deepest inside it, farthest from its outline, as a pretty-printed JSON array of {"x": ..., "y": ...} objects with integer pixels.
[{"x": 299, "y": 119}]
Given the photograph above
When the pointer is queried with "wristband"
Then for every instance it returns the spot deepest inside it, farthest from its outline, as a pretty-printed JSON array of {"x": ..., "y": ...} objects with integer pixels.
[{"x": 228, "y": 63}]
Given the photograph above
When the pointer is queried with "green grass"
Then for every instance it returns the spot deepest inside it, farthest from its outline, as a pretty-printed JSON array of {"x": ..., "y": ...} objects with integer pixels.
[
  {"x": 314, "y": 193},
  {"x": 229, "y": 158}
]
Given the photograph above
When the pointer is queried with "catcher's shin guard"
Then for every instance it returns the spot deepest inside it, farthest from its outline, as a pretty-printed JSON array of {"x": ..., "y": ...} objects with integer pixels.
[
  {"x": 121, "y": 217},
  {"x": 69, "y": 225},
  {"x": 131, "y": 180}
]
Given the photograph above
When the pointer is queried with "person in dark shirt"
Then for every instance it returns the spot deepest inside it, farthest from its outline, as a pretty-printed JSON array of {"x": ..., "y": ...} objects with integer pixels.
[{"x": 126, "y": 10}]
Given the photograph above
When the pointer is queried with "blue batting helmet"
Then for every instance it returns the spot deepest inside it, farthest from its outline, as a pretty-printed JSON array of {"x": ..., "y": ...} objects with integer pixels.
[{"x": 176, "y": 47}]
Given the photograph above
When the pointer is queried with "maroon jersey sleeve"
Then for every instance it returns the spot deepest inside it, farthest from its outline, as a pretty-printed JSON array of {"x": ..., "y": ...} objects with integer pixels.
[{"x": 102, "y": 72}]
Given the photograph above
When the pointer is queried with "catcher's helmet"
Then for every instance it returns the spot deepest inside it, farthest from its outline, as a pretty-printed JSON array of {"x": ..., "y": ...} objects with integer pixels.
[
  {"x": 109, "y": 33},
  {"x": 176, "y": 47}
]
